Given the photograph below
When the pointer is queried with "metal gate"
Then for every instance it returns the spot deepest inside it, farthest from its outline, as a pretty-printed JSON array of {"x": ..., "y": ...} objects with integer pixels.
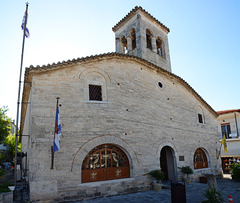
[
  {"x": 200, "y": 159},
  {"x": 105, "y": 162}
]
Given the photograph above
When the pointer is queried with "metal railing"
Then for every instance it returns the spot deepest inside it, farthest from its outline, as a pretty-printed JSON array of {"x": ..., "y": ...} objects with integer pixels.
[{"x": 232, "y": 135}]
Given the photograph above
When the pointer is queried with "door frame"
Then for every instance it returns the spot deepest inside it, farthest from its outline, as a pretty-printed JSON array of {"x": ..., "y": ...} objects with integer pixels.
[{"x": 168, "y": 162}]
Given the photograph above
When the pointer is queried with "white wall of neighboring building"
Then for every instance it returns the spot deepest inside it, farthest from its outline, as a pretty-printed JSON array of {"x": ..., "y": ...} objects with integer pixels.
[{"x": 231, "y": 118}]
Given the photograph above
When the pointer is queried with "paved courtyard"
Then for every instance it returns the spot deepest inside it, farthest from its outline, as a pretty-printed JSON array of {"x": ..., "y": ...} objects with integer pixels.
[{"x": 194, "y": 194}]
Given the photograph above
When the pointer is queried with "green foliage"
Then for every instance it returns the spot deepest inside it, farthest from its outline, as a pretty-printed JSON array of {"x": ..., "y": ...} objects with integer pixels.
[
  {"x": 2, "y": 172},
  {"x": 235, "y": 169},
  {"x": 4, "y": 187},
  {"x": 10, "y": 140},
  {"x": 2, "y": 156},
  {"x": 213, "y": 196},
  {"x": 186, "y": 170},
  {"x": 157, "y": 174},
  {"x": 4, "y": 123}
]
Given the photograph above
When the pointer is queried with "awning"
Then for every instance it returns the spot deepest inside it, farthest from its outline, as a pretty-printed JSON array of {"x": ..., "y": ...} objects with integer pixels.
[{"x": 226, "y": 155}]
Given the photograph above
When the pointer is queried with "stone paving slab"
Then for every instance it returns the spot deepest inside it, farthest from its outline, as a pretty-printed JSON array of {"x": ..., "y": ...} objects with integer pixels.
[{"x": 194, "y": 194}]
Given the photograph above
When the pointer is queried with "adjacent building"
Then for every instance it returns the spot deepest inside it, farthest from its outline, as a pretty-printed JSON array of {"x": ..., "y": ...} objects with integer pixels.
[
  {"x": 228, "y": 125},
  {"x": 123, "y": 114}
]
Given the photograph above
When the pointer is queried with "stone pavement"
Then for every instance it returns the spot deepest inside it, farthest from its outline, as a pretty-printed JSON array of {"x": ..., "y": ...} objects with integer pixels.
[{"x": 194, "y": 191}]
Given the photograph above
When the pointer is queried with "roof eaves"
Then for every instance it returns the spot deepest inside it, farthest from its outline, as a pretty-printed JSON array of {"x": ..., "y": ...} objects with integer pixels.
[
  {"x": 131, "y": 13},
  {"x": 114, "y": 54},
  {"x": 228, "y": 111}
]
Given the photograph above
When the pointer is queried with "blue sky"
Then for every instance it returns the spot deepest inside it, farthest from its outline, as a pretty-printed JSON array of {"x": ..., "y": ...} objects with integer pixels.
[{"x": 204, "y": 40}]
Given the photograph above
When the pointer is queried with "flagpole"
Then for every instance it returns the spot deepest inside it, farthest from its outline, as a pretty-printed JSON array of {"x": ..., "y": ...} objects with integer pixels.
[
  {"x": 52, "y": 147},
  {"x": 219, "y": 151},
  {"x": 18, "y": 101}
]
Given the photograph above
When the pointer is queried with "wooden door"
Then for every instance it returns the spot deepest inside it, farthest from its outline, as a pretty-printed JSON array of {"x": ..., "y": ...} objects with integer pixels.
[
  {"x": 105, "y": 162},
  {"x": 163, "y": 162}
]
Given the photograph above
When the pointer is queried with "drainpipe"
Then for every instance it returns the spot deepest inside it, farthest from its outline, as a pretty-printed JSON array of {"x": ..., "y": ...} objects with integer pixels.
[{"x": 236, "y": 124}]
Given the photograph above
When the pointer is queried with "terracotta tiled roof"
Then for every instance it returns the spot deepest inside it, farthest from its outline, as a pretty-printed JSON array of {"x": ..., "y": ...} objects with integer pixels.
[
  {"x": 228, "y": 111},
  {"x": 132, "y": 13}
]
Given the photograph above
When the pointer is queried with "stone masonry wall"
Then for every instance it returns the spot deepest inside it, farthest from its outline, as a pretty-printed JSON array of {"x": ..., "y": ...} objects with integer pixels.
[
  {"x": 136, "y": 115},
  {"x": 140, "y": 23}
]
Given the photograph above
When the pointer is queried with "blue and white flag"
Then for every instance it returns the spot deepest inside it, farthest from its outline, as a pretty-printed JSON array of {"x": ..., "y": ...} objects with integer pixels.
[
  {"x": 27, "y": 33},
  {"x": 58, "y": 132}
]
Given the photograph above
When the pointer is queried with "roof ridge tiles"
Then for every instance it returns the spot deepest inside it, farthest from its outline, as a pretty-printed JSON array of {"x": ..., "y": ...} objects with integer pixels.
[
  {"x": 132, "y": 12},
  {"x": 141, "y": 60}
]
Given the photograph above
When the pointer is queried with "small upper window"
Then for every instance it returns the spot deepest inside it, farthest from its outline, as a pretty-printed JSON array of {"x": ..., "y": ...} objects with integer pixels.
[
  {"x": 95, "y": 92},
  {"x": 200, "y": 115},
  {"x": 200, "y": 118},
  {"x": 160, "y": 84}
]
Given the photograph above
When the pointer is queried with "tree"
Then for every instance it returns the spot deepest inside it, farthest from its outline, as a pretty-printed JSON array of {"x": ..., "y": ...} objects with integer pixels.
[
  {"x": 5, "y": 131},
  {"x": 4, "y": 124},
  {"x": 10, "y": 140}
]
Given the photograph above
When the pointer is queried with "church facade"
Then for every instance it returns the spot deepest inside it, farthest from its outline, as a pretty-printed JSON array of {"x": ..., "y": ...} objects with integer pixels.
[{"x": 122, "y": 115}]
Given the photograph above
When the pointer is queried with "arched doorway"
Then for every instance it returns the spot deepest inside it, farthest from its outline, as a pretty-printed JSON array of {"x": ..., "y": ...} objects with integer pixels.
[
  {"x": 168, "y": 163},
  {"x": 105, "y": 162}
]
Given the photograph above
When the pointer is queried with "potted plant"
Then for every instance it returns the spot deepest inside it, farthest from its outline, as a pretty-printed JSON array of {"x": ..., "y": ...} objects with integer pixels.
[
  {"x": 213, "y": 195},
  {"x": 187, "y": 170},
  {"x": 158, "y": 176},
  {"x": 235, "y": 167},
  {"x": 6, "y": 187},
  {"x": 11, "y": 186}
]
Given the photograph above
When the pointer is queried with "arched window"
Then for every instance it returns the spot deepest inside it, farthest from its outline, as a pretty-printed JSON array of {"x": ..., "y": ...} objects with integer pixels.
[
  {"x": 133, "y": 36},
  {"x": 149, "y": 39},
  {"x": 95, "y": 86},
  {"x": 200, "y": 159},
  {"x": 105, "y": 162},
  {"x": 160, "y": 48},
  {"x": 200, "y": 115}
]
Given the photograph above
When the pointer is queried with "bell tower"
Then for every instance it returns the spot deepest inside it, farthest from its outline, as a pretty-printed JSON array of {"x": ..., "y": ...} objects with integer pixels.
[{"x": 142, "y": 35}]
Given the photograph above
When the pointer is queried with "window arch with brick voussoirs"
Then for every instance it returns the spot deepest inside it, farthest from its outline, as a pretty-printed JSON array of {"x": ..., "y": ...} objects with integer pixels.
[
  {"x": 200, "y": 159},
  {"x": 94, "y": 82},
  {"x": 105, "y": 162}
]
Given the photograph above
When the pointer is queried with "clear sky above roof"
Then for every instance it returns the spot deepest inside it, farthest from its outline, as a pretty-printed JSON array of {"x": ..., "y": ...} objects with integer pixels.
[{"x": 204, "y": 40}]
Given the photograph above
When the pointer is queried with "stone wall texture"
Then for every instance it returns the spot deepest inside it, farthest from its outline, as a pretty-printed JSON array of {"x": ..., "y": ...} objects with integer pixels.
[
  {"x": 136, "y": 115},
  {"x": 6, "y": 197},
  {"x": 140, "y": 23}
]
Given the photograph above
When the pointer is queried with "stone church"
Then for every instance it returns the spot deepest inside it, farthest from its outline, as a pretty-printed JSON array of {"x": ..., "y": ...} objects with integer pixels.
[{"x": 122, "y": 115}]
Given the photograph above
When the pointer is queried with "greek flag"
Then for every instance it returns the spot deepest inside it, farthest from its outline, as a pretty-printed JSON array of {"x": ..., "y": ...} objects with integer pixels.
[
  {"x": 58, "y": 132},
  {"x": 27, "y": 33}
]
